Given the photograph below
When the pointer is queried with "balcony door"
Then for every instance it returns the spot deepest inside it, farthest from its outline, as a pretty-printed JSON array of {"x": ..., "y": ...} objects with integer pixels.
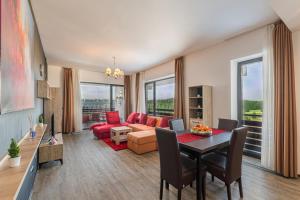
[
  {"x": 99, "y": 98},
  {"x": 250, "y": 103}
]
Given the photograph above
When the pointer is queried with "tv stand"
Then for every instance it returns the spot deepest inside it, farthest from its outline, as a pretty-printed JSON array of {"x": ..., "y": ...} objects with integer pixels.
[{"x": 50, "y": 152}]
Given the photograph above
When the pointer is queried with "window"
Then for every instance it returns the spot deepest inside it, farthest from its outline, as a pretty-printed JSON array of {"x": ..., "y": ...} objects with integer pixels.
[
  {"x": 250, "y": 103},
  {"x": 98, "y": 99},
  {"x": 160, "y": 97}
]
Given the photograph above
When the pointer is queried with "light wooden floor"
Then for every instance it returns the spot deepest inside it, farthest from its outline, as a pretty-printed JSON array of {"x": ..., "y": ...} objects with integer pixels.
[{"x": 92, "y": 170}]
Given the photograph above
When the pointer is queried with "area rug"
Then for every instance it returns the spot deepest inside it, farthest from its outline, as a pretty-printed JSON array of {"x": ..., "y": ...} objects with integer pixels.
[{"x": 114, "y": 146}]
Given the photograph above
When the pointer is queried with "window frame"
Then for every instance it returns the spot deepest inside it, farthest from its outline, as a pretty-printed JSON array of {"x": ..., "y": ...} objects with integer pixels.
[
  {"x": 154, "y": 94},
  {"x": 239, "y": 84}
]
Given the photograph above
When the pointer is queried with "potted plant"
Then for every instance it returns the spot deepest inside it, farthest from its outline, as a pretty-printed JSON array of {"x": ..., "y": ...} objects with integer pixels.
[
  {"x": 41, "y": 120},
  {"x": 14, "y": 153}
]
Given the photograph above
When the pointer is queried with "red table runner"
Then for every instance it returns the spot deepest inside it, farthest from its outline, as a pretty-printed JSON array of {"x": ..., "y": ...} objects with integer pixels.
[{"x": 189, "y": 137}]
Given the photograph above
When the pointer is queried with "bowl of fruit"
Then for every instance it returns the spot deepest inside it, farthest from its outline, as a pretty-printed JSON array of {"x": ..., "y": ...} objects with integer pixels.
[{"x": 202, "y": 130}]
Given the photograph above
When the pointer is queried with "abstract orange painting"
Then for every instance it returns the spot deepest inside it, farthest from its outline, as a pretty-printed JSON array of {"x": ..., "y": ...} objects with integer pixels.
[{"x": 17, "y": 39}]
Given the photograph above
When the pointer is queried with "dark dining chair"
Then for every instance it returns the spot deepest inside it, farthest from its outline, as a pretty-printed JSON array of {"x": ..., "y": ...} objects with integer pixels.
[
  {"x": 176, "y": 125},
  {"x": 176, "y": 169},
  {"x": 227, "y": 124},
  {"x": 229, "y": 168}
]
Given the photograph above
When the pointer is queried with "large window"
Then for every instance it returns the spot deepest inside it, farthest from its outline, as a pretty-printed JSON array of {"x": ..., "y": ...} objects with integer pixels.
[
  {"x": 160, "y": 97},
  {"x": 98, "y": 99}
]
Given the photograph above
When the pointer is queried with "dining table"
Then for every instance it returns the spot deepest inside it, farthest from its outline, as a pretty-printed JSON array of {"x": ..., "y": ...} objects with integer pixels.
[{"x": 200, "y": 145}]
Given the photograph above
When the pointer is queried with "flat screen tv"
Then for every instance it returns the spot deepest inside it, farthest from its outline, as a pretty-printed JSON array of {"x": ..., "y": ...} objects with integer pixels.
[{"x": 52, "y": 128}]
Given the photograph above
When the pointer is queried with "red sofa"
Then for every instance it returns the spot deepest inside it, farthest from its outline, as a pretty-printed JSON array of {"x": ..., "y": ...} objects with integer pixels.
[{"x": 102, "y": 130}]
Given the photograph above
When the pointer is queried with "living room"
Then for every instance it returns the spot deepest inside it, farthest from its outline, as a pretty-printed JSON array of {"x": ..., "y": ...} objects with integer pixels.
[{"x": 149, "y": 100}]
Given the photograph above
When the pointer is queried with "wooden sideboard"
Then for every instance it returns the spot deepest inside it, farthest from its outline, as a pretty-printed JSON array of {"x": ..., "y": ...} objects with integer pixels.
[
  {"x": 17, "y": 183},
  {"x": 49, "y": 152}
]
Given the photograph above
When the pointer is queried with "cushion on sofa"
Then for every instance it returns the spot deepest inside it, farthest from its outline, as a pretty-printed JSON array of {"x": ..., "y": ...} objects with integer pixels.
[
  {"x": 140, "y": 127},
  {"x": 97, "y": 124},
  {"x": 132, "y": 117},
  {"x": 113, "y": 117},
  {"x": 103, "y": 131},
  {"x": 105, "y": 128},
  {"x": 151, "y": 121},
  {"x": 142, "y": 137},
  {"x": 158, "y": 120},
  {"x": 164, "y": 122},
  {"x": 143, "y": 118}
]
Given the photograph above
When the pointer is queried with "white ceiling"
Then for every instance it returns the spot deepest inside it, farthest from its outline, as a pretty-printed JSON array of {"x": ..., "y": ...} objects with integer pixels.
[
  {"x": 289, "y": 12},
  {"x": 140, "y": 33}
]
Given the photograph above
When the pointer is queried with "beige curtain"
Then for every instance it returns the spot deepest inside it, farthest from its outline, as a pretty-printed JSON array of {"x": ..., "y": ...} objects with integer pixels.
[
  {"x": 127, "y": 87},
  {"x": 137, "y": 86},
  {"x": 68, "y": 102},
  {"x": 285, "y": 105},
  {"x": 77, "y": 101},
  {"x": 179, "y": 109}
]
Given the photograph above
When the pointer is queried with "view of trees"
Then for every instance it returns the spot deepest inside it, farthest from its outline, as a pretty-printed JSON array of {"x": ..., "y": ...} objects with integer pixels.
[
  {"x": 163, "y": 106},
  {"x": 253, "y": 110}
]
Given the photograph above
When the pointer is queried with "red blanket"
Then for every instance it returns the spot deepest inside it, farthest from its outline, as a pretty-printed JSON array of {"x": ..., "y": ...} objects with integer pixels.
[{"x": 189, "y": 137}]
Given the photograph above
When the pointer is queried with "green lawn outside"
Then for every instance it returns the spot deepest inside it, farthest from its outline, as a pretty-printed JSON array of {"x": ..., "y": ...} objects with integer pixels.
[{"x": 252, "y": 107}]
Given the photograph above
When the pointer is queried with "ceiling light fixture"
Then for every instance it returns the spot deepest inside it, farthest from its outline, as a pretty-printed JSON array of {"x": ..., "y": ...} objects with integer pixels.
[{"x": 117, "y": 73}]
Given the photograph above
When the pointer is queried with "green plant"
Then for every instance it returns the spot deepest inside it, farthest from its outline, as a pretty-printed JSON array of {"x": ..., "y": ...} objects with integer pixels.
[
  {"x": 14, "y": 149},
  {"x": 41, "y": 118}
]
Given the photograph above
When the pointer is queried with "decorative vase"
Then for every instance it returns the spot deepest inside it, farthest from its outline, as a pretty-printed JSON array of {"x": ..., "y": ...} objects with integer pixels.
[
  {"x": 32, "y": 133},
  {"x": 15, "y": 162}
]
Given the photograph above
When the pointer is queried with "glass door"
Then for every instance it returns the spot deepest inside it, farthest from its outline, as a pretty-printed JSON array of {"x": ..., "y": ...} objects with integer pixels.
[
  {"x": 99, "y": 98},
  {"x": 118, "y": 100},
  {"x": 250, "y": 103}
]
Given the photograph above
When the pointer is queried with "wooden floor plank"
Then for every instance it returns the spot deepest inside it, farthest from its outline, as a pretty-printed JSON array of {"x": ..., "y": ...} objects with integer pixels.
[{"x": 92, "y": 170}]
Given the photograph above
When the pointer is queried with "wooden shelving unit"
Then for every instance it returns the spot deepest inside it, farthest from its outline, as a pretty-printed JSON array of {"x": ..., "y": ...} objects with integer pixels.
[
  {"x": 200, "y": 105},
  {"x": 43, "y": 89}
]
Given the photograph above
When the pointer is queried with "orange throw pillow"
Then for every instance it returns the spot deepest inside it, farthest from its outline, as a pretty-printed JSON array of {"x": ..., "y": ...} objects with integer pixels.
[{"x": 151, "y": 122}]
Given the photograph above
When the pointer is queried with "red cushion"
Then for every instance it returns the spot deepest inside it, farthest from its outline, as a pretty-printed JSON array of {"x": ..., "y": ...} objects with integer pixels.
[
  {"x": 103, "y": 131},
  {"x": 151, "y": 121},
  {"x": 164, "y": 122},
  {"x": 132, "y": 117},
  {"x": 143, "y": 118},
  {"x": 137, "y": 119},
  {"x": 113, "y": 117},
  {"x": 97, "y": 124}
]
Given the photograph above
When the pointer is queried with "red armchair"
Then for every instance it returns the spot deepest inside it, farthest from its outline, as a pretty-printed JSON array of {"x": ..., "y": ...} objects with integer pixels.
[{"x": 102, "y": 130}]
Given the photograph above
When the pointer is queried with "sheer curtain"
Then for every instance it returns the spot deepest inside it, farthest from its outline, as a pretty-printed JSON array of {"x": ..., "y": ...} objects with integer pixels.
[
  {"x": 268, "y": 142},
  {"x": 141, "y": 107},
  {"x": 77, "y": 101}
]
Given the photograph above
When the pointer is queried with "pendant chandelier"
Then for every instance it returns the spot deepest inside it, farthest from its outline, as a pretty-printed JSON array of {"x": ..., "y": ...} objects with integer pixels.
[{"x": 116, "y": 73}]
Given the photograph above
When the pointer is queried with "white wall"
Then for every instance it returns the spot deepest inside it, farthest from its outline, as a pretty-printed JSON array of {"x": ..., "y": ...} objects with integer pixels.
[
  {"x": 212, "y": 67},
  {"x": 296, "y": 43},
  {"x": 160, "y": 71},
  {"x": 55, "y": 77}
]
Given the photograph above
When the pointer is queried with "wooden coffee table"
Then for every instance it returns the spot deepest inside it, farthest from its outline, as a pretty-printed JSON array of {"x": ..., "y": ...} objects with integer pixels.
[{"x": 119, "y": 134}]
